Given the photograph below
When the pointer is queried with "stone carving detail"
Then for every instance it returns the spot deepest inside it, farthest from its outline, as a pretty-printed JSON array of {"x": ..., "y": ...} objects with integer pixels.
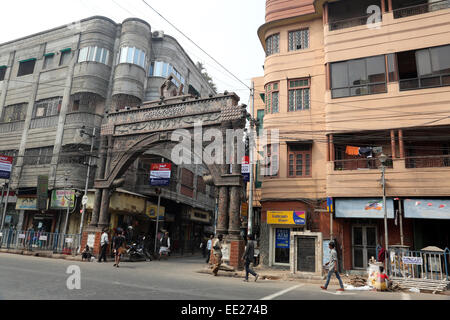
[{"x": 167, "y": 124}]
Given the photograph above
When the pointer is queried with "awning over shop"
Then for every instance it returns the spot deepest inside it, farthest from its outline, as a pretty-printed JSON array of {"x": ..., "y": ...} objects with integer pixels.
[
  {"x": 122, "y": 201},
  {"x": 363, "y": 208},
  {"x": 427, "y": 208}
]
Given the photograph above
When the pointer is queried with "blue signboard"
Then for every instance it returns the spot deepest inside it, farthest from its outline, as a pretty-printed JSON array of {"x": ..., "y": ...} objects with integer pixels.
[
  {"x": 282, "y": 238},
  {"x": 160, "y": 174}
]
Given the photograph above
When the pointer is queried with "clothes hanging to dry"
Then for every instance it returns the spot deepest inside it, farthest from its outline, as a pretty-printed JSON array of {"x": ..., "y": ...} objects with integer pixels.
[
  {"x": 365, "y": 152},
  {"x": 352, "y": 151}
]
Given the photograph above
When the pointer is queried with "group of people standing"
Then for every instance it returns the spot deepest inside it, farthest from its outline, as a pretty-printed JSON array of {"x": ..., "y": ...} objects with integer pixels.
[
  {"x": 248, "y": 257},
  {"x": 119, "y": 243}
]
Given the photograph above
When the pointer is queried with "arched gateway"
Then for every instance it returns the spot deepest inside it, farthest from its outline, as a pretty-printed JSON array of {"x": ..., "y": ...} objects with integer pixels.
[{"x": 128, "y": 133}]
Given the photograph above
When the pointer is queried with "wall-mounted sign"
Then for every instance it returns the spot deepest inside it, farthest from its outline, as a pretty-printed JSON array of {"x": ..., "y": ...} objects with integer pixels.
[
  {"x": 5, "y": 166},
  {"x": 427, "y": 208},
  {"x": 245, "y": 168},
  {"x": 42, "y": 192},
  {"x": 199, "y": 215},
  {"x": 160, "y": 174},
  {"x": 363, "y": 208},
  {"x": 91, "y": 240},
  {"x": 244, "y": 209},
  {"x": 282, "y": 237},
  {"x": 151, "y": 210},
  {"x": 412, "y": 260},
  {"x": 286, "y": 217},
  {"x": 26, "y": 204},
  {"x": 62, "y": 198}
]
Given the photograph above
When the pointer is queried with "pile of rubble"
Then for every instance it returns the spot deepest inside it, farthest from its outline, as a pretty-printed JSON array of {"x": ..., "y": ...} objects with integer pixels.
[{"x": 356, "y": 281}]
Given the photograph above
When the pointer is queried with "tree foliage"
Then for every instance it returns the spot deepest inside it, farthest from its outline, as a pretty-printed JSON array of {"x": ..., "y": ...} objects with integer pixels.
[{"x": 206, "y": 76}]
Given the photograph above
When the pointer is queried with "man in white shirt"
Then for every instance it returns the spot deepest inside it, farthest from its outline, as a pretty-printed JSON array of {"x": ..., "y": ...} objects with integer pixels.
[{"x": 103, "y": 245}]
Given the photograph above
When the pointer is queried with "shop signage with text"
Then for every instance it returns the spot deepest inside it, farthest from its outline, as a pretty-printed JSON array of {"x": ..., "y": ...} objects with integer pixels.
[
  {"x": 5, "y": 166},
  {"x": 286, "y": 217},
  {"x": 160, "y": 174}
]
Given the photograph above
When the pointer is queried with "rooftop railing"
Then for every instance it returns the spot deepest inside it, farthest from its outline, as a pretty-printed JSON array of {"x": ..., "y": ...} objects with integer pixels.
[{"x": 421, "y": 9}]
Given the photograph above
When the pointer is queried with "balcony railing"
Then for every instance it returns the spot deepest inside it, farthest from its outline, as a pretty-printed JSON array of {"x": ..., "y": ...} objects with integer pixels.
[
  {"x": 348, "y": 23},
  {"x": 86, "y": 118},
  {"x": 360, "y": 164},
  {"x": 11, "y": 126},
  {"x": 434, "y": 81},
  {"x": 428, "y": 162},
  {"x": 421, "y": 9},
  {"x": 44, "y": 122}
]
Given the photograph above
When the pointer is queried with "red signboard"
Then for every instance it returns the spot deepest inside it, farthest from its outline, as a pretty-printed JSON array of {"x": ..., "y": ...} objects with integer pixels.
[{"x": 5, "y": 166}]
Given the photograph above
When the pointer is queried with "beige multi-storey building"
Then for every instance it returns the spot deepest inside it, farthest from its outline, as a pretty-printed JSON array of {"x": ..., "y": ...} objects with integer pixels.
[
  {"x": 56, "y": 82},
  {"x": 344, "y": 82}
]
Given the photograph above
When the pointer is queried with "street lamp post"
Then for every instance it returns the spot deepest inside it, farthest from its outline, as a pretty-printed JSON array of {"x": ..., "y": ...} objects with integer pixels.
[
  {"x": 87, "y": 175},
  {"x": 383, "y": 159},
  {"x": 158, "y": 192}
]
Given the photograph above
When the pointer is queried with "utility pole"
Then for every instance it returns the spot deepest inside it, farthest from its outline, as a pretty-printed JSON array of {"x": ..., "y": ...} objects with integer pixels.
[
  {"x": 87, "y": 176},
  {"x": 383, "y": 159},
  {"x": 251, "y": 182},
  {"x": 6, "y": 204},
  {"x": 158, "y": 192}
]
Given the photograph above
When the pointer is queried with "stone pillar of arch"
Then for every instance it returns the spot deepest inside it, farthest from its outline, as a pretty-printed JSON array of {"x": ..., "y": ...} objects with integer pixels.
[{"x": 223, "y": 203}]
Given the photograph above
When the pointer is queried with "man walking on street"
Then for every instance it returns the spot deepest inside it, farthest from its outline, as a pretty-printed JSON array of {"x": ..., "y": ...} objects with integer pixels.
[
  {"x": 333, "y": 268},
  {"x": 208, "y": 247},
  {"x": 217, "y": 247},
  {"x": 104, "y": 245},
  {"x": 119, "y": 243},
  {"x": 248, "y": 257}
]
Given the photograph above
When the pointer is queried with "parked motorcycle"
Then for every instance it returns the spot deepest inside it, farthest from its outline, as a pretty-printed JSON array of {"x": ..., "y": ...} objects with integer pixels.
[{"x": 135, "y": 252}]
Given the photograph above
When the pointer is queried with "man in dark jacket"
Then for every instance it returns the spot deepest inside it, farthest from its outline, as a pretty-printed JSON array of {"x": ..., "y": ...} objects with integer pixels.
[{"x": 248, "y": 257}]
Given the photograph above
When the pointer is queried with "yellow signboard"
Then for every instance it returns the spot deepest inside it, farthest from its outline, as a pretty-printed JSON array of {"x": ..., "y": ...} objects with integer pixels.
[
  {"x": 151, "y": 209},
  {"x": 244, "y": 209},
  {"x": 286, "y": 217}
]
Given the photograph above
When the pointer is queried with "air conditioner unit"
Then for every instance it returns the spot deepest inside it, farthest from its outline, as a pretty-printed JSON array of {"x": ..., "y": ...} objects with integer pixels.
[{"x": 158, "y": 34}]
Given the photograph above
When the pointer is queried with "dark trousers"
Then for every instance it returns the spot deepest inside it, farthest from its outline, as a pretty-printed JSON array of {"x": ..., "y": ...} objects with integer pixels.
[
  {"x": 208, "y": 256},
  {"x": 103, "y": 253},
  {"x": 248, "y": 270}
]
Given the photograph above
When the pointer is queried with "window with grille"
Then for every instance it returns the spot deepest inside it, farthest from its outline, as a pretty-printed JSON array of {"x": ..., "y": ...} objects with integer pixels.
[
  {"x": 299, "y": 161},
  {"x": 37, "y": 156},
  {"x": 298, "y": 39},
  {"x": 15, "y": 112},
  {"x": 47, "y": 107},
  {"x": 299, "y": 94},
  {"x": 271, "y": 160},
  {"x": 273, "y": 44},
  {"x": 272, "y": 97}
]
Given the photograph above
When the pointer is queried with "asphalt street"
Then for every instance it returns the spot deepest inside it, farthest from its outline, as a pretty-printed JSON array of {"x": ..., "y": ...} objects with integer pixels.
[{"x": 35, "y": 278}]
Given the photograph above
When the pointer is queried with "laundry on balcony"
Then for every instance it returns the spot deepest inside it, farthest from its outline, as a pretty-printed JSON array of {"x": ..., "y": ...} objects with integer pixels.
[
  {"x": 365, "y": 152},
  {"x": 352, "y": 151}
]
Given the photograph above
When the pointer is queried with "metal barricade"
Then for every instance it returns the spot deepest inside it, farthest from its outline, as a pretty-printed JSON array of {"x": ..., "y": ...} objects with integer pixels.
[
  {"x": 419, "y": 264},
  {"x": 40, "y": 241}
]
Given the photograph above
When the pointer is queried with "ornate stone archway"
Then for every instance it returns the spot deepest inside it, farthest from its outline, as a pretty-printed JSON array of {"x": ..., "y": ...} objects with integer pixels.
[{"x": 128, "y": 133}]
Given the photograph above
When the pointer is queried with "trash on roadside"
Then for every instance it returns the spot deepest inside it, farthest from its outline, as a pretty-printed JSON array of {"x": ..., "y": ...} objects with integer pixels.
[{"x": 363, "y": 288}]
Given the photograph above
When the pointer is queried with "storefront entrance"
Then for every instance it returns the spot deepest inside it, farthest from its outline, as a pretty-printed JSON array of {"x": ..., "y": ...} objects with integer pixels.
[
  {"x": 306, "y": 254},
  {"x": 364, "y": 243}
]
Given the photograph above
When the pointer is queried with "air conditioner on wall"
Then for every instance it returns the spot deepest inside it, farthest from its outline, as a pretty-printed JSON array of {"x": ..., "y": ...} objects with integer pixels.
[{"x": 158, "y": 34}]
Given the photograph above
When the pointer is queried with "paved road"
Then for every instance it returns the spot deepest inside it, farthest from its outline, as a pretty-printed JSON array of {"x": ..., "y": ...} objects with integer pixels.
[{"x": 26, "y": 277}]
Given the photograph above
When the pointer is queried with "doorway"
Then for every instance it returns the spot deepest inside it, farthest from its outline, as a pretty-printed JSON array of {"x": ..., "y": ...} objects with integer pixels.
[
  {"x": 306, "y": 254},
  {"x": 364, "y": 243}
]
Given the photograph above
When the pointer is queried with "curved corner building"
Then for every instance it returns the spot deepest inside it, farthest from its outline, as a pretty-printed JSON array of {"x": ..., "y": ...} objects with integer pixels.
[{"x": 344, "y": 82}]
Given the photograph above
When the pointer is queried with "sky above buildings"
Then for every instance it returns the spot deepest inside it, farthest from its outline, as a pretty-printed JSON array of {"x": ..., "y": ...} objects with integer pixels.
[{"x": 227, "y": 30}]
